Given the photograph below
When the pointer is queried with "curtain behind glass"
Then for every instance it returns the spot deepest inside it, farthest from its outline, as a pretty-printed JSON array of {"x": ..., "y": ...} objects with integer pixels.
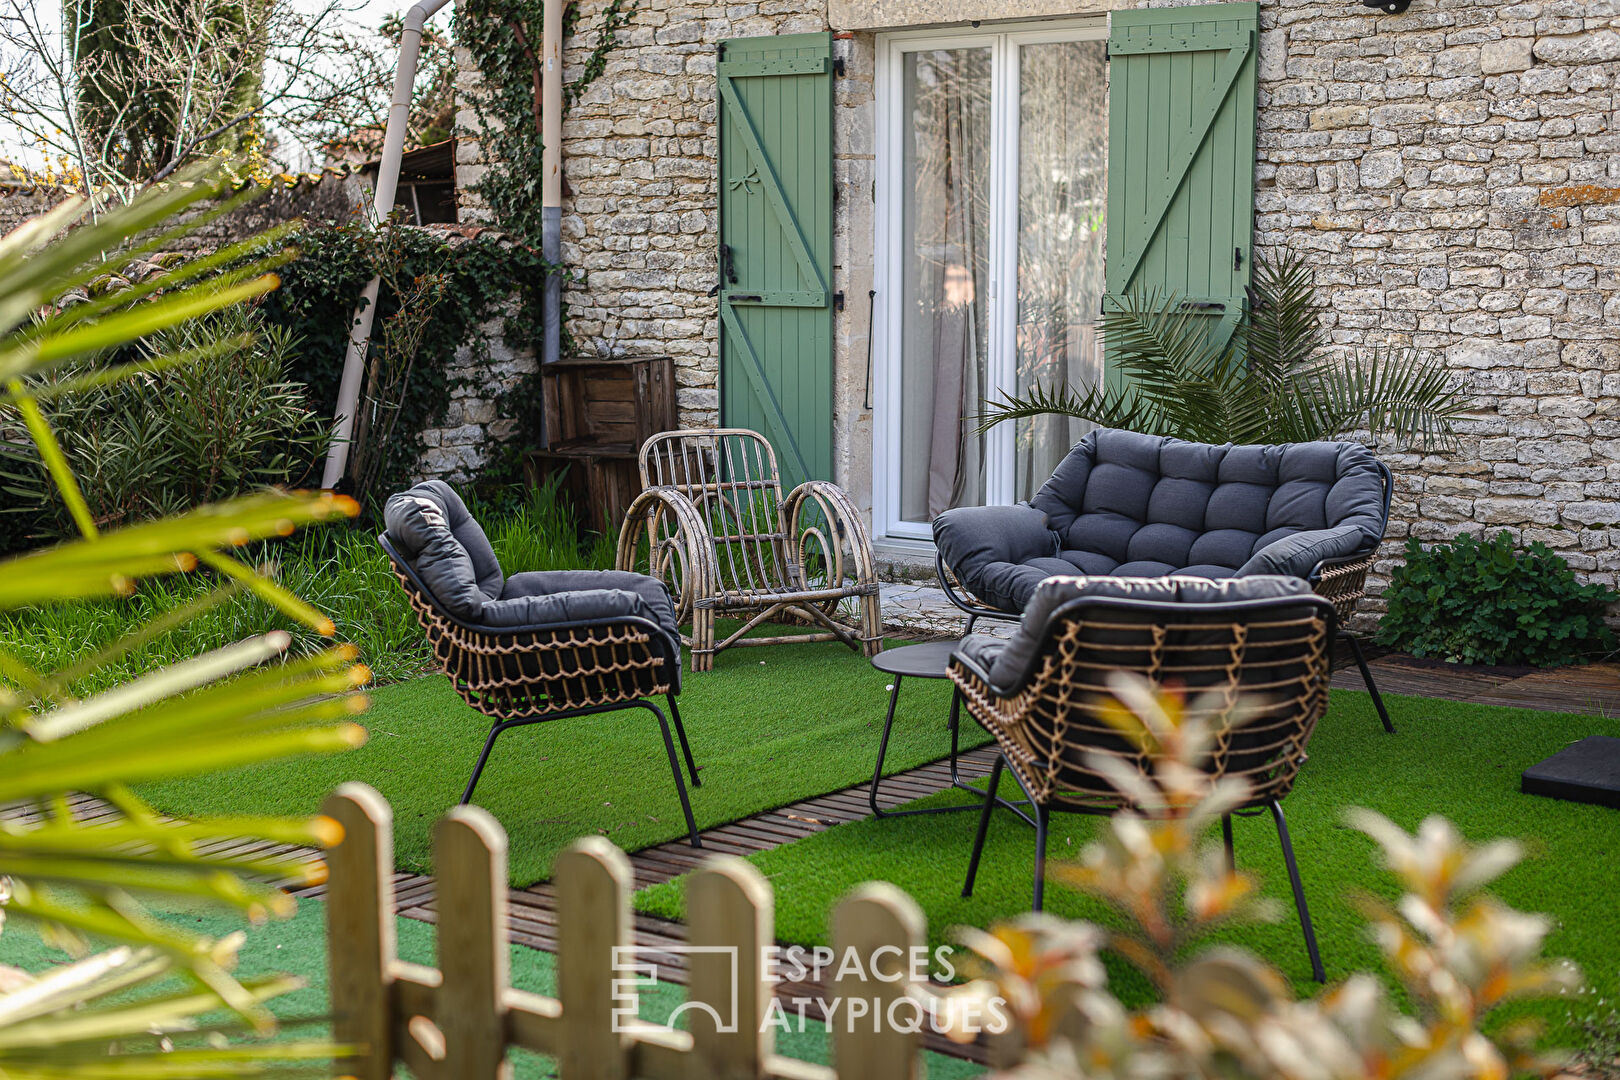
[
  {"x": 1062, "y": 193},
  {"x": 944, "y": 279}
]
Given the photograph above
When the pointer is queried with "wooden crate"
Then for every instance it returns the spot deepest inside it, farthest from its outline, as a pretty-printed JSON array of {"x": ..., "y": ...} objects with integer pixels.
[
  {"x": 598, "y": 413},
  {"x": 609, "y": 405}
]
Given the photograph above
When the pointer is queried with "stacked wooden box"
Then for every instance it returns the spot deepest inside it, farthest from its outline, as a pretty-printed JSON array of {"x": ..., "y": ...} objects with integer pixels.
[{"x": 598, "y": 413}]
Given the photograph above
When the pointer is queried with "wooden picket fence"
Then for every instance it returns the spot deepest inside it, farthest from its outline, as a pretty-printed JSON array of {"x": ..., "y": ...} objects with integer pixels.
[{"x": 457, "y": 1021}]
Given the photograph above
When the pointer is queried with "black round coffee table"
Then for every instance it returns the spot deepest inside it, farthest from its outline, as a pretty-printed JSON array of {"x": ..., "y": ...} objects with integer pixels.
[{"x": 928, "y": 660}]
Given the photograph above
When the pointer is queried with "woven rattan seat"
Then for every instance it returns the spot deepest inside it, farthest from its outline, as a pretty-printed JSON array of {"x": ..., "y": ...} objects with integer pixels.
[
  {"x": 714, "y": 527},
  {"x": 1262, "y": 643}
]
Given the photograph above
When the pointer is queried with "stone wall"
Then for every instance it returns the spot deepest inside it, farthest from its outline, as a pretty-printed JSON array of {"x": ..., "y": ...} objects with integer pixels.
[
  {"x": 1454, "y": 172},
  {"x": 485, "y": 367},
  {"x": 639, "y": 216}
]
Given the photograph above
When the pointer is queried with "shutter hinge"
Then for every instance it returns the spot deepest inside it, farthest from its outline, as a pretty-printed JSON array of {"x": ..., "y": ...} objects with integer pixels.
[
  {"x": 720, "y": 50},
  {"x": 1107, "y": 53},
  {"x": 838, "y": 300},
  {"x": 1237, "y": 259},
  {"x": 838, "y": 66}
]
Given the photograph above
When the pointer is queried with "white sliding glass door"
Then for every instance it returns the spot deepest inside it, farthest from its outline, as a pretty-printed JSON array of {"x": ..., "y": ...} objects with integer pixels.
[{"x": 992, "y": 164}]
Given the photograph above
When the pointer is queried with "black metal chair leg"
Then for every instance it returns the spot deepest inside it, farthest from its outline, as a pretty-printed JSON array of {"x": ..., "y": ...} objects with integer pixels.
[
  {"x": 1226, "y": 837},
  {"x": 483, "y": 758},
  {"x": 955, "y": 723},
  {"x": 675, "y": 767},
  {"x": 1299, "y": 892},
  {"x": 883, "y": 747},
  {"x": 680, "y": 732},
  {"x": 984, "y": 826},
  {"x": 1372, "y": 687},
  {"x": 1042, "y": 816}
]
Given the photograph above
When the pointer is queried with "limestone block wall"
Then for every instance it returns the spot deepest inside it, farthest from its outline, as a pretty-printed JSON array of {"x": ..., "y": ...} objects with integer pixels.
[
  {"x": 639, "y": 217},
  {"x": 1455, "y": 174}
]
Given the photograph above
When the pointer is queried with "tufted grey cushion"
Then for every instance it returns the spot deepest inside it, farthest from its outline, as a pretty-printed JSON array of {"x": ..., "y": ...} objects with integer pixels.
[
  {"x": 1129, "y": 505},
  {"x": 1007, "y": 663},
  {"x": 430, "y": 527}
]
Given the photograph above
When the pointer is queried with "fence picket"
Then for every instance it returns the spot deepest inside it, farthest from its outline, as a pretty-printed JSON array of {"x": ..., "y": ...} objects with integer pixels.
[
  {"x": 593, "y": 903},
  {"x": 458, "y": 1021},
  {"x": 729, "y": 907},
  {"x": 876, "y": 916},
  {"x": 469, "y": 871},
  {"x": 360, "y": 928}
]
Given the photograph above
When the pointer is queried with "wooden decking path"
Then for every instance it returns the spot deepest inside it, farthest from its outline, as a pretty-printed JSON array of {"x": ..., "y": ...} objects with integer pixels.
[{"x": 1593, "y": 690}]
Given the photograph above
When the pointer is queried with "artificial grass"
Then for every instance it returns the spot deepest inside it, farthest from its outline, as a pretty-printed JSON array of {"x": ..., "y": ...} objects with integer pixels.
[
  {"x": 768, "y": 726},
  {"x": 297, "y": 946},
  {"x": 1460, "y": 761}
]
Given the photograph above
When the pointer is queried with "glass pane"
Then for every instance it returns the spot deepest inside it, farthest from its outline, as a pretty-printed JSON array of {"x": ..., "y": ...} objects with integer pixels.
[
  {"x": 944, "y": 251},
  {"x": 1062, "y": 196}
]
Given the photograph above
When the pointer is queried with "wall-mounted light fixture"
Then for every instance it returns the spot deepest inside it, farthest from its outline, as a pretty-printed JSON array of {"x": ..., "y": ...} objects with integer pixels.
[{"x": 1389, "y": 7}]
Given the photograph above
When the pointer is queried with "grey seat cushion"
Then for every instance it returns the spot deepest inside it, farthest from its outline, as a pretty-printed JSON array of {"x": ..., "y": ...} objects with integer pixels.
[
  {"x": 1006, "y": 664},
  {"x": 430, "y": 527},
  {"x": 1129, "y": 505}
]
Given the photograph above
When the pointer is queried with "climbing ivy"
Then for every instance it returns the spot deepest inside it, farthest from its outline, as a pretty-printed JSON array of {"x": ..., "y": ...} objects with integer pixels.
[
  {"x": 504, "y": 39},
  {"x": 316, "y": 302}
]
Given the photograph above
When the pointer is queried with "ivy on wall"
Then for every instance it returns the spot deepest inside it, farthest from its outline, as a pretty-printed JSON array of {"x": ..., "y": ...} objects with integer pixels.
[
  {"x": 316, "y": 303},
  {"x": 504, "y": 39}
]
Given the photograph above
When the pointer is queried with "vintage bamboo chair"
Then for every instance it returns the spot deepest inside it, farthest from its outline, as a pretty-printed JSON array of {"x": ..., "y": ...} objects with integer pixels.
[
  {"x": 714, "y": 527},
  {"x": 1262, "y": 641},
  {"x": 534, "y": 647}
]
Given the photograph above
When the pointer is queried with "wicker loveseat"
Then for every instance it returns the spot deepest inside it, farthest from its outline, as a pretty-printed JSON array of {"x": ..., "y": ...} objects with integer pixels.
[{"x": 1124, "y": 504}]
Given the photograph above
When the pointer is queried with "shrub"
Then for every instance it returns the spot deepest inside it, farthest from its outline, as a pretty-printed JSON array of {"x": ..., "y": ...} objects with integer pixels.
[
  {"x": 171, "y": 438},
  {"x": 1483, "y": 602}
]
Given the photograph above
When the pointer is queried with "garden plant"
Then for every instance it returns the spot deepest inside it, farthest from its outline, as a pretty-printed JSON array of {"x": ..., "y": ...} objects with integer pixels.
[
  {"x": 163, "y": 995},
  {"x": 1222, "y": 1011},
  {"x": 1491, "y": 602},
  {"x": 1273, "y": 380}
]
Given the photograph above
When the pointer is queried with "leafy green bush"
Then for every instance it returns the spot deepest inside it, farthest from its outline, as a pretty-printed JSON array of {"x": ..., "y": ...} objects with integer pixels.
[
  {"x": 1483, "y": 602},
  {"x": 173, "y": 437}
]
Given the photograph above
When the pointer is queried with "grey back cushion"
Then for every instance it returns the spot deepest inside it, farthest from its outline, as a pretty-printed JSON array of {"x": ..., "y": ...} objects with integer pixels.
[
  {"x": 1131, "y": 505},
  {"x": 1143, "y": 505},
  {"x": 1008, "y": 663},
  {"x": 430, "y": 526}
]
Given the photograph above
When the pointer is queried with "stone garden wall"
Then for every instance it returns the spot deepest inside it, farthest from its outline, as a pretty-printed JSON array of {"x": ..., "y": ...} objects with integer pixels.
[{"x": 1455, "y": 172}]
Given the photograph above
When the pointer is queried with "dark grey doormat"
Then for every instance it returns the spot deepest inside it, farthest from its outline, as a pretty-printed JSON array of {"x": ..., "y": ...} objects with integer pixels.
[{"x": 1587, "y": 771}]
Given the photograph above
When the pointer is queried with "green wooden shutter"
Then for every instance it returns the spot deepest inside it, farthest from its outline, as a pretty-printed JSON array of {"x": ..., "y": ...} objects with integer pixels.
[
  {"x": 776, "y": 214},
  {"x": 1181, "y": 151}
]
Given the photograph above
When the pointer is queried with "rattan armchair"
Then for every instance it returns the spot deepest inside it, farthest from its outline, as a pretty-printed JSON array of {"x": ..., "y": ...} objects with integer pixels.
[
  {"x": 715, "y": 528},
  {"x": 1264, "y": 641},
  {"x": 604, "y": 642}
]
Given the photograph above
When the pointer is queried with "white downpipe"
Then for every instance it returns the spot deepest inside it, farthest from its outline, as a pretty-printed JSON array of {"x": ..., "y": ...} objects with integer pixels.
[
  {"x": 551, "y": 95},
  {"x": 354, "y": 361}
]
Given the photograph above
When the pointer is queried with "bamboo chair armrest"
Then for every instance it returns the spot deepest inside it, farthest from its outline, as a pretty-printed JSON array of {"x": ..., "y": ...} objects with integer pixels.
[{"x": 842, "y": 517}]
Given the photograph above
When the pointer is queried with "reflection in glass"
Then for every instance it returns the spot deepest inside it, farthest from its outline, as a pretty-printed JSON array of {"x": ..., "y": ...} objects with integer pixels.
[
  {"x": 1062, "y": 195},
  {"x": 944, "y": 252}
]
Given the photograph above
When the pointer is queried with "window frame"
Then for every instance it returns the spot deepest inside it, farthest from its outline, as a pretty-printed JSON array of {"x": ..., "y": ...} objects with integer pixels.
[{"x": 1004, "y": 41}]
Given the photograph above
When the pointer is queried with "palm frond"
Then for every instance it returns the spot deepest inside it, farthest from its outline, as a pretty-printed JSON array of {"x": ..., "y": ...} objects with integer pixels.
[
  {"x": 1284, "y": 329},
  {"x": 1102, "y": 405},
  {"x": 1395, "y": 390}
]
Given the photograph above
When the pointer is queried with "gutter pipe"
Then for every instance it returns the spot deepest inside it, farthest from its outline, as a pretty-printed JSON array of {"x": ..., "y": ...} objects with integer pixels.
[
  {"x": 354, "y": 361},
  {"x": 551, "y": 95}
]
